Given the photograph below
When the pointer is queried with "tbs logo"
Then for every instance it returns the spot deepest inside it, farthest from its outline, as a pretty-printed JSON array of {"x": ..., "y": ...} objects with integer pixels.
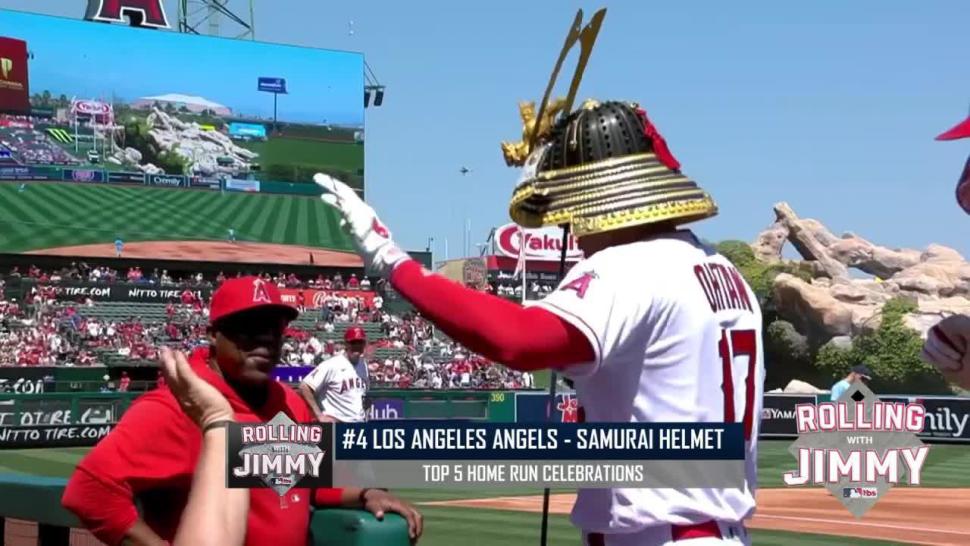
[{"x": 859, "y": 492}]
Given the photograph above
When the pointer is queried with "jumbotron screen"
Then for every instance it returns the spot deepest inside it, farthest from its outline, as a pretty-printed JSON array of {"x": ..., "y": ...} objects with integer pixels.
[{"x": 154, "y": 144}]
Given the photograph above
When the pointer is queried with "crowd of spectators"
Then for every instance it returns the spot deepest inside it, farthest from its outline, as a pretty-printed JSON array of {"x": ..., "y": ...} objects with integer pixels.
[
  {"x": 30, "y": 146},
  {"x": 47, "y": 330},
  {"x": 82, "y": 272}
]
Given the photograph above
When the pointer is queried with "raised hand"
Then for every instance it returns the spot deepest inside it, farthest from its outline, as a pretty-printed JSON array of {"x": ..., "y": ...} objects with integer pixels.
[
  {"x": 948, "y": 348},
  {"x": 373, "y": 240},
  {"x": 199, "y": 400}
]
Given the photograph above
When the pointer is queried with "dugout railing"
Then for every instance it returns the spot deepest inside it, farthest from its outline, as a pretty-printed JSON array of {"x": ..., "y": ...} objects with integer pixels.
[{"x": 31, "y": 514}]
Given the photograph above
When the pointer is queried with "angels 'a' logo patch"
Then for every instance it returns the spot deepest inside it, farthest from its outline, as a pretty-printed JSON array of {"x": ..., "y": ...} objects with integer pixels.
[
  {"x": 581, "y": 284},
  {"x": 260, "y": 294}
]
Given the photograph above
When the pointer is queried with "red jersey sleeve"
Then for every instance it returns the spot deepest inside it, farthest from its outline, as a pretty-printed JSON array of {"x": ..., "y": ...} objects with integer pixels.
[
  {"x": 521, "y": 338},
  {"x": 153, "y": 446}
]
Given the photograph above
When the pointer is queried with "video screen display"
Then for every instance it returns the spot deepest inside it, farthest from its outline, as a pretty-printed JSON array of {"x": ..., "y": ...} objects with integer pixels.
[{"x": 178, "y": 146}]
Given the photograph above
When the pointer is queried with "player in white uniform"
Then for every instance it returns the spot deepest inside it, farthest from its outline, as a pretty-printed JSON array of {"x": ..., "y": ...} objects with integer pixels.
[
  {"x": 652, "y": 326},
  {"x": 335, "y": 390}
]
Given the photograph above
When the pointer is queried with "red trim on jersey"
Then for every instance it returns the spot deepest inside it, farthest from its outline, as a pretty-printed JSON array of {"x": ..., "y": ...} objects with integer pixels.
[
  {"x": 521, "y": 338},
  {"x": 708, "y": 529}
]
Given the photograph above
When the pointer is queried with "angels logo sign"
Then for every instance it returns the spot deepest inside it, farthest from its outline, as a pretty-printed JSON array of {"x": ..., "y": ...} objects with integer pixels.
[{"x": 144, "y": 13}]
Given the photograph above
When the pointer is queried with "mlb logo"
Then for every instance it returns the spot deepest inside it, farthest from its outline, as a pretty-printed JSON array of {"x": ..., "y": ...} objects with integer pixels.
[
  {"x": 859, "y": 492},
  {"x": 850, "y": 493}
]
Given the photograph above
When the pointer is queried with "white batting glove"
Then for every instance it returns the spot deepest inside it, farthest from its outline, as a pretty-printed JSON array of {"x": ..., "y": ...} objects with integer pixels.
[
  {"x": 373, "y": 240},
  {"x": 947, "y": 346}
]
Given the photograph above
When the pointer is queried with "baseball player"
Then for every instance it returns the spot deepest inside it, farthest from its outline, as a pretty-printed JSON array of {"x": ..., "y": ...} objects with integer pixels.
[
  {"x": 653, "y": 326},
  {"x": 948, "y": 343},
  {"x": 335, "y": 390}
]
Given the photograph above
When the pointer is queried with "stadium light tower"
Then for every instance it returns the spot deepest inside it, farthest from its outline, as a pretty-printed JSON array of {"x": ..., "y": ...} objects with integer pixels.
[{"x": 208, "y": 16}]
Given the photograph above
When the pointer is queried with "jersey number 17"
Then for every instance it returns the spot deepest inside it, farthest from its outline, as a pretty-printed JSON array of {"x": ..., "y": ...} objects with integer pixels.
[{"x": 735, "y": 343}]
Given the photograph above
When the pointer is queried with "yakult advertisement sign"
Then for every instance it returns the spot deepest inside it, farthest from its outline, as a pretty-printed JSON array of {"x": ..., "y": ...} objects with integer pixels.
[{"x": 543, "y": 244}]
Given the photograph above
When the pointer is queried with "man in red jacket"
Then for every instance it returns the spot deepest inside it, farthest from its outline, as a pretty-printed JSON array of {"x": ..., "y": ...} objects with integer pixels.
[{"x": 151, "y": 454}]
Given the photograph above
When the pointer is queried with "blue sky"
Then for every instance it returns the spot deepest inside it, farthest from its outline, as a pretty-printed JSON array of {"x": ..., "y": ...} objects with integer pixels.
[
  {"x": 829, "y": 105},
  {"x": 71, "y": 57}
]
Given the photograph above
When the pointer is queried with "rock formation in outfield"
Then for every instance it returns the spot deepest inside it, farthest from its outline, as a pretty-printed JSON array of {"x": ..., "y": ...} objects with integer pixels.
[
  {"x": 207, "y": 153},
  {"x": 834, "y": 303}
]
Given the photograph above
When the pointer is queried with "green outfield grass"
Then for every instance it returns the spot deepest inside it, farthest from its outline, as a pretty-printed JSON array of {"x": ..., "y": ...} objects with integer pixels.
[
  {"x": 946, "y": 466},
  {"x": 49, "y": 215},
  {"x": 346, "y": 156}
]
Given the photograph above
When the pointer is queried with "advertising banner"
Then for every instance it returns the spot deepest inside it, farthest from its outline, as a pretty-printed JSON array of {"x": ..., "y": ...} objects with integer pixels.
[
  {"x": 22, "y": 380},
  {"x": 14, "y": 82},
  {"x": 543, "y": 244},
  {"x": 83, "y": 175},
  {"x": 778, "y": 413},
  {"x": 58, "y": 411},
  {"x": 235, "y": 184},
  {"x": 30, "y": 173},
  {"x": 199, "y": 182},
  {"x": 247, "y": 130},
  {"x": 291, "y": 374},
  {"x": 41, "y": 436},
  {"x": 314, "y": 299},
  {"x": 272, "y": 85},
  {"x": 122, "y": 292},
  {"x": 534, "y": 408},
  {"x": 168, "y": 180},
  {"x": 946, "y": 419},
  {"x": 126, "y": 178},
  {"x": 386, "y": 409}
]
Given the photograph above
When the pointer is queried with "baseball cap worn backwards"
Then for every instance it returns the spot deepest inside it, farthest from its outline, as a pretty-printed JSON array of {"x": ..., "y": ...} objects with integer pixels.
[{"x": 245, "y": 294}]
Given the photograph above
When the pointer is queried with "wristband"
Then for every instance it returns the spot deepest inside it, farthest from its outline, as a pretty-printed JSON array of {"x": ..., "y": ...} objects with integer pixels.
[{"x": 216, "y": 424}]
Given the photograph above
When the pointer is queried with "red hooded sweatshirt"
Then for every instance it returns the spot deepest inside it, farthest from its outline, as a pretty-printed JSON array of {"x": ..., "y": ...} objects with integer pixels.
[{"x": 151, "y": 456}]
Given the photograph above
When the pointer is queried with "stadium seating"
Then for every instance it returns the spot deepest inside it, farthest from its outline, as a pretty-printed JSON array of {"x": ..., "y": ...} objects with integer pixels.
[
  {"x": 404, "y": 350},
  {"x": 30, "y": 146}
]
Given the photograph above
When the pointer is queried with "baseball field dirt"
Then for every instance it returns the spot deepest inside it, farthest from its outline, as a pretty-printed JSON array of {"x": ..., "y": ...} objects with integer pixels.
[
  {"x": 213, "y": 251},
  {"x": 936, "y": 517}
]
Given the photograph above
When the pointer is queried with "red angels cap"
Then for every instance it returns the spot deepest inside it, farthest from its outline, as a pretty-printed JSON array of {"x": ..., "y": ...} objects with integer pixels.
[
  {"x": 246, "y": 293},
  {"x": 961, "y": 130},
  {"x": 355, "y": 333}
]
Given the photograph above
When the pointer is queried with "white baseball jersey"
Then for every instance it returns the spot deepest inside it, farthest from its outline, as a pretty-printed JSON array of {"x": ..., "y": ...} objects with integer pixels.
[
  {"x": 670, "y": 322},
  {"x": 339, "y": 388}
]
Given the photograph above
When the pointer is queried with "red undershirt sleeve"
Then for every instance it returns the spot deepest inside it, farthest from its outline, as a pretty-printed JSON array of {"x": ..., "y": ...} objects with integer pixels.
[
  {"x": 521, "y": 338},
  {"x": 327, "y": 497}
]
